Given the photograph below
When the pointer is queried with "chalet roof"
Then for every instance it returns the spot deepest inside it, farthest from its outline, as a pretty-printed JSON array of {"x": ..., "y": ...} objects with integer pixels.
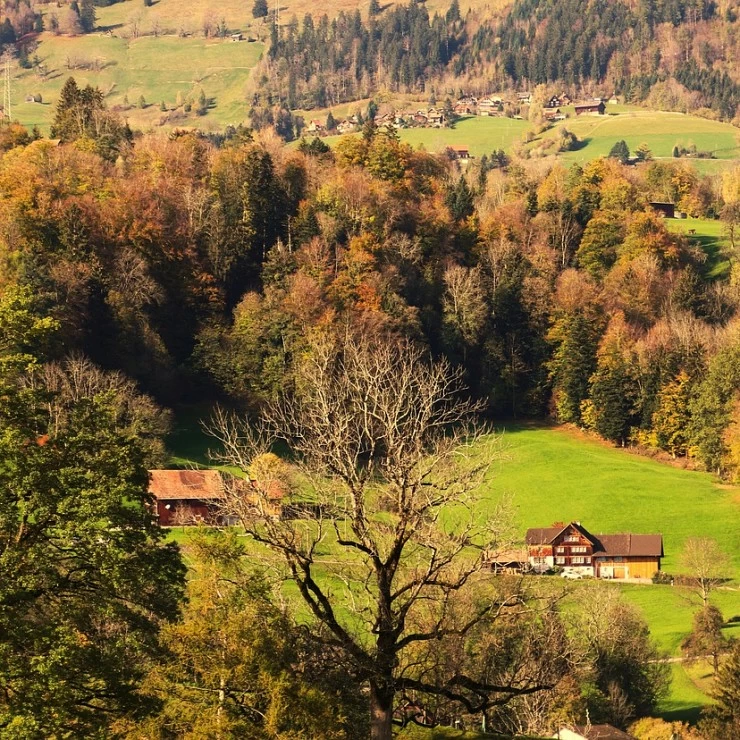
[
  {"x": 631, "y": 545},
  {"x": 459, "y": 148},
  {"x": 186, "y": 484},
  {"x": 546, "y": 535},
  {"x": 590, "y": 104},
  {"x": 612, "y": 545}
]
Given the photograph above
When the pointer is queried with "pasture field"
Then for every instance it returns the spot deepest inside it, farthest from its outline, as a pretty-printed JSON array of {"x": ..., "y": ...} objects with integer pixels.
[
  {"x": 157, "y": 68},
  {"x": 709, "y": 235},
  {"x": 481, "y": 134},
  {"x": 558, "y": 474},
  {"x": 659, "y": 130}
]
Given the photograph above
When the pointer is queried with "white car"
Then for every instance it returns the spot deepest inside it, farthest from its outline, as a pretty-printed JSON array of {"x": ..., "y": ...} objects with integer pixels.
[{"x": 572, "y": 574}]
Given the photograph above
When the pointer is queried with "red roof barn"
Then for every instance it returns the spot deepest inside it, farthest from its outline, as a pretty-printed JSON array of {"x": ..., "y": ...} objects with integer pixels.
[{"x": 186, "y": 496}]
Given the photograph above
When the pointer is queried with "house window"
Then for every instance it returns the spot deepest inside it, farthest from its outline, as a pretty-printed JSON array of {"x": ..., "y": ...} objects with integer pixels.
[
  {"x": 561, "y": 549},
  {"x": 617, "y": 559},
  {"x": 572, "y": 538},
  {"x": 560, "y": 561},
  {"x": 578, "y": 561},
  {"x": 578, "y": 549}
]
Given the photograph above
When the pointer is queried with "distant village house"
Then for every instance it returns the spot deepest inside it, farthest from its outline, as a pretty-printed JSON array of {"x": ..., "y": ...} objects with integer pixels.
[{"x": 591, "y": 108}]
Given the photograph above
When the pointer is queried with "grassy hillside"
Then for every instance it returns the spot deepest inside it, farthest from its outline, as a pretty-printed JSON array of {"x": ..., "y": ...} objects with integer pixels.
[
  {"x": 482, "y": 135},
  {"x": 157, "y": 68},
  {"x": 660, "y": 131},
  {"x": 709, "y": 235},
  {"x": 557, "y": 474}
]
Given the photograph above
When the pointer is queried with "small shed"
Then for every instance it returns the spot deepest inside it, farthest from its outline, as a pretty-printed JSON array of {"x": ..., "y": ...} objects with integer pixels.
[
  {"x": 667, "y": 210},
  {"x": 460, "y": 151},
  {"x": 186, "y": 496}
]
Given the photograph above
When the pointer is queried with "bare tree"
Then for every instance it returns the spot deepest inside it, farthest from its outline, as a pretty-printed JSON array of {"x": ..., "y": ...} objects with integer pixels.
[
  {"x": 705, "y": 565},
  {"x": 383, "y": 536}
]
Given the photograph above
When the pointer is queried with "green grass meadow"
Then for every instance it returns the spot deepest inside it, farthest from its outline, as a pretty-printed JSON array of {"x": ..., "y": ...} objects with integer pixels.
[
  {"x": 482, "y": 135},
  {"x": 709, "y": 235},
  {"x": 157, "y": 68},
  {"x": 558, "y": 474},
  {"x": 661, "y": 131}
]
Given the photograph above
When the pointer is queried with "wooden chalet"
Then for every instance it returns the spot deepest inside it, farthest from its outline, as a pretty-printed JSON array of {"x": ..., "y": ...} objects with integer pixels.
[
  {"x": 591, "y": 108},
  {"x": 572, "y": 547},
  {"x": 436, "y": 117},
  {"x": 554, "y": 102},
  {"x": 186, "y": 496}
]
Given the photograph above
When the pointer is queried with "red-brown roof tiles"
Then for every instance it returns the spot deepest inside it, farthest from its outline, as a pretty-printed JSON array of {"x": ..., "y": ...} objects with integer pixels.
[{"x": 200, "y": 485}]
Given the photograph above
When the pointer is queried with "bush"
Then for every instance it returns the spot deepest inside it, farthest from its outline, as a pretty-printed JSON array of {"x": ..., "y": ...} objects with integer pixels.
[{"x": 662, "y": 578}]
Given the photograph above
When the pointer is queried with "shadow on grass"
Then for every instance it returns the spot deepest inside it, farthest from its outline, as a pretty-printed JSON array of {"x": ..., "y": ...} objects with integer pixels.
[{"x": 690, "y": 713}]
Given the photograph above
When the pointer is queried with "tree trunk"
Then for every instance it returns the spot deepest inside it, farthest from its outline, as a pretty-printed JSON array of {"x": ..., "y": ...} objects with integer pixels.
[{"x": 381, "y": 712}]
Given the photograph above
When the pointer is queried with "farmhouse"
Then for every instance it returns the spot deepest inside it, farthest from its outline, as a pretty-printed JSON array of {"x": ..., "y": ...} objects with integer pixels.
[
  {"x": 554, "y": 102},
  {"x": 186, "y": 496},
  {"x": 490, "y": 106},
  {"x": 346, "y": 127},
  {"x": 316, "y": 126},
  {"x": 592, "y": 108},
  {"x": 465, "y": 106},
  {"x": 572, "y": 547}
]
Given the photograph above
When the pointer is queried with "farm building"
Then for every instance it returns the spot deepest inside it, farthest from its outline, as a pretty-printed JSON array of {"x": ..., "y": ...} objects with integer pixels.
[
  {"x": 316, "y": 127},
  {"x": 572, "y": 547},
  {"x": 507, "y": 560},
  {"x": 553, "y": 114},
  {"x": 460, "y": 151},
  {"x": 592, "y": 108},
  {"x": 186, "y": 496},
  {"x": 667, "y": 210},
  {"x": 554, "y": 102}
]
